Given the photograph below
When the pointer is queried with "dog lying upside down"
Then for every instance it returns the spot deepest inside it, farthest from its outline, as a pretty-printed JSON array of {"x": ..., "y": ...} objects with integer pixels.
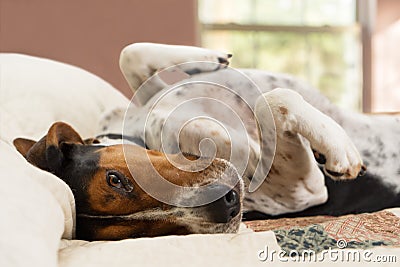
[{"x": 309, "y": 142}]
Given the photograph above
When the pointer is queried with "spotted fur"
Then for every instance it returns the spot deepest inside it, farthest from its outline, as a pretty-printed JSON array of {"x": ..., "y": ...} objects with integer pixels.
[{"x": 305, "y": 121}]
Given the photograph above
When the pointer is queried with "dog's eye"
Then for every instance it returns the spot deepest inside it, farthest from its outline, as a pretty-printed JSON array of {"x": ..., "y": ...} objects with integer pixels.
[
  {"x": 119, "y": 181},
  {"x": 114, "y": 180}
]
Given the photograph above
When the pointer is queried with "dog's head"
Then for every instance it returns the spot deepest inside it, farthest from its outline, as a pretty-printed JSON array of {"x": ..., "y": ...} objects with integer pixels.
[{"x": 111, "y": 205}]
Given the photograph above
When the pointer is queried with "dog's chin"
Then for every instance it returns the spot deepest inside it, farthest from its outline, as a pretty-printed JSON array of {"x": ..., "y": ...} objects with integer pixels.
[{"x": 205, "y": 227}]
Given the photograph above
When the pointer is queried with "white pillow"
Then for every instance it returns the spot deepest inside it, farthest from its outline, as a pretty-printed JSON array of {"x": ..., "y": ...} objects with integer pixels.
[
  {"x": 35, "y": 92},
  {"x": 37, "y": 207},
  {"x": 37, "y": 210}
]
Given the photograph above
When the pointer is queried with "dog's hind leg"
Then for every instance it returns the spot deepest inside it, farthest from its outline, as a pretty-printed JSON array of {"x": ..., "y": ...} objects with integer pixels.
[
  {"x": 140, "y": 61},
  {"x": 295, "y": 182}
]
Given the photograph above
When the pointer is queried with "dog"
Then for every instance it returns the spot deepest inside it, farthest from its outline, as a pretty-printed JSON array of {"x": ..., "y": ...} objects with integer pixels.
[
  {"x": 110, "y": 205},
  {"x": 301, "y": 152},
  {"x": 319, "y": 148}
]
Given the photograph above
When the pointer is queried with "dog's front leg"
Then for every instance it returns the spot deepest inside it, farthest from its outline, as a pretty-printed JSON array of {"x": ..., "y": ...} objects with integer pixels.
[
  {"x": 295, "y": 182},
  {"x": 334, "y": 148},
  {"x": 140, "y": 61}
]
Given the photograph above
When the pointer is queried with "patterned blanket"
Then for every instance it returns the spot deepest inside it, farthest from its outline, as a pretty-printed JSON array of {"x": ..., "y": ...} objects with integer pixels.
[{"x": 323, "y": 232}]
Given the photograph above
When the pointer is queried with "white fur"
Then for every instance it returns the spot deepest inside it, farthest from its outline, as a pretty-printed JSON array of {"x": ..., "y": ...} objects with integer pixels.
[{"x": 304, "y": 119}]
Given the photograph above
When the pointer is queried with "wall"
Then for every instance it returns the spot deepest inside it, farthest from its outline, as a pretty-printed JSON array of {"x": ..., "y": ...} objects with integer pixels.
[
  {"x": 386, "y": 57},
  {"x": 91, "y": 33}
]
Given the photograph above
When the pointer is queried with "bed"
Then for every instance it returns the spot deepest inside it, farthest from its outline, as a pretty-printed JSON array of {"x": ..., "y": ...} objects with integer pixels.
[{"x": 37, "y": 222}]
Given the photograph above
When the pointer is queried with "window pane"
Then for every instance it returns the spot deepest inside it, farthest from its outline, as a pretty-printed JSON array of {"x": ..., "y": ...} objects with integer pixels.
[
  {"x": 240, "y": 44},
  {"x": 329, "y": 61},
  {"x": 279, "y": 12},
  {"x": 330, "y": 12}
]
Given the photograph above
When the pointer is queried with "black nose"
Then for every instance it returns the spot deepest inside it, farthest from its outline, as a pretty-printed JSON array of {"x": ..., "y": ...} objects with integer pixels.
[{"x": 226, "y": 208}]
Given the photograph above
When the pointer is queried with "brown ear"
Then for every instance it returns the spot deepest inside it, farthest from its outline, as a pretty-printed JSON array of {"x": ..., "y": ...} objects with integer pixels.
[
  {"x": 61, "y": 132},
  {"x": 60, "y": 137},
  {"x": 48, "y": 152},
  {"x": 23, "y": 145}
]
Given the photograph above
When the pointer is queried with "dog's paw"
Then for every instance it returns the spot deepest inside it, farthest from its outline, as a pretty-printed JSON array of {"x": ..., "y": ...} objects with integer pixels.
[
  {"x": 203, "y": 54},
  {"x": 203, "y": 60},
  {"x": 341, "y": 162}
]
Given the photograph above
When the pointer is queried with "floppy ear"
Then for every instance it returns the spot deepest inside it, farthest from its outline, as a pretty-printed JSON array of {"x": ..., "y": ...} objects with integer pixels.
[
  {"x": 50, "y": 152},
  {"x": 59, "y": 142},
  {"x": 23, "y": 145}
]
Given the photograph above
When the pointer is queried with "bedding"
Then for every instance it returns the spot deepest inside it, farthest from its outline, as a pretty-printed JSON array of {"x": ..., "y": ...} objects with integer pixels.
[
  {"x": 37, "y": 222},
  {"x": 360, "y": 231}
]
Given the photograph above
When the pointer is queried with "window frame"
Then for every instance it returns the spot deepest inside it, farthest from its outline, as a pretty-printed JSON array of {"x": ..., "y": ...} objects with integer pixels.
[{"x": 364, "y": 24}]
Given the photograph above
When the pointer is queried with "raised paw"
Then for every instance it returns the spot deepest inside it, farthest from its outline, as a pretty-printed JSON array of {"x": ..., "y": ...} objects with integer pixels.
[
  {"x": 139, "y": 61},
  {"x": 333, "y": 148},
  {"x": 342, "y": 168},
  {"x": 224, "y": 60},
  {"x": 335, "y": 151},
  {"x": 204, "y": 60}
]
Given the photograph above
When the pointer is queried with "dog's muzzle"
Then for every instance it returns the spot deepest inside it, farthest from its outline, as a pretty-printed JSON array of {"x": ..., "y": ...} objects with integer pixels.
[{"x": 226, "y": 208}]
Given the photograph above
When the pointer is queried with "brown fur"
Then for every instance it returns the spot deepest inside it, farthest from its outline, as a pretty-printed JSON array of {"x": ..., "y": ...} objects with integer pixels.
[{"x": 100, "y": 206}]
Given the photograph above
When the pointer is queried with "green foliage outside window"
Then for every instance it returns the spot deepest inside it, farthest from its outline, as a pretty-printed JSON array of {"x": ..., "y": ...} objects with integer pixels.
[{"x": 329, "y": 60}]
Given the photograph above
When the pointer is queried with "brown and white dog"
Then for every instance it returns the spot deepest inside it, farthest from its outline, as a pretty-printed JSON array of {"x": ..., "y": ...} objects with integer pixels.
[
  {"x": 307, "y": 148},
  {"x": 110, "y": 205}
]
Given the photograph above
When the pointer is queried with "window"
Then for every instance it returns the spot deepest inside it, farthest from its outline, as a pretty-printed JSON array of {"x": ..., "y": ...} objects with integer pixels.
[{"x": 316, "y": 40}]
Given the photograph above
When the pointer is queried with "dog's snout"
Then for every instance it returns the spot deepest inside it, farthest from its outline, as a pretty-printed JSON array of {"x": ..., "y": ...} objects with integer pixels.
[{"x": 226, "y": 208}]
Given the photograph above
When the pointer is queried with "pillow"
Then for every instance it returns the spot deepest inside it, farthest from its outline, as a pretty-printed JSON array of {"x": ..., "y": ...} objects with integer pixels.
[
  {"x": 37, "y": 207},
  {"x": 35, "y": 92},
  {"x": 37, "y": 210}
]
